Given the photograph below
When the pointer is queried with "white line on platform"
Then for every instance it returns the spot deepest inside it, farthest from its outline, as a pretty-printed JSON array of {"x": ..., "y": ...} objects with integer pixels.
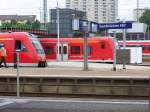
[
  {"x": 5, "y": 103},
  {"x": 101, "y": 102},
  {"x": 107, "y": 101}
]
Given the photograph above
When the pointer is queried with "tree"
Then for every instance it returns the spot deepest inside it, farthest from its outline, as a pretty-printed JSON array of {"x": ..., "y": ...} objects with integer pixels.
[
  {"x": 6, "y": 25},
  {"x": 36, "y": 24},
  {"x": 13, "y": 22},
  {"x": 145, "y": 18}
]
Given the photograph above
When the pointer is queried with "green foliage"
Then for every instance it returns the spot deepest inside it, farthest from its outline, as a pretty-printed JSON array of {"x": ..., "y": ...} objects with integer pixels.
[
  {"x": 6, "y": 25},
  {"x": 14, "y": 24},
  {"x": 36, "y": 24},
  {"x": 145, "y": 18}
]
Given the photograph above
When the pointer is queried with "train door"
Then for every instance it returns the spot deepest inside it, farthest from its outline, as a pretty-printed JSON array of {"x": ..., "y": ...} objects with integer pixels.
[
  {"x": 24, "y": 54},
  {"x": 63, "y": 52}
]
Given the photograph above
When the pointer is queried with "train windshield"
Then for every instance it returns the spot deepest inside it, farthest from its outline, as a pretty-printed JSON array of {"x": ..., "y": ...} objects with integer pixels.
[{"x": 36, "y": 44}]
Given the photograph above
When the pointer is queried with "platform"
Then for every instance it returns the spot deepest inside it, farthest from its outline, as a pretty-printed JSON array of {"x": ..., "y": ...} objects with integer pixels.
[
  {"x": 75, "y": 69},
  {"x": 68, "y": 78}
]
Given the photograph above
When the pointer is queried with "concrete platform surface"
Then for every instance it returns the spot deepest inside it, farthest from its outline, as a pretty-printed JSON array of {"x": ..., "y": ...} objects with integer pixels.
[
  {"x": 72, "y": 105},
  {"x": 75, "y": 69}
]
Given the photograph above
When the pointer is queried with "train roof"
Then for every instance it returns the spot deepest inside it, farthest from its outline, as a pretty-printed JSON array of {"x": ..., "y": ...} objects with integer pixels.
[
  {"x": 8, "y": 34},
  {"x": 12, "y": 35},
  {"x": 92, "y": 39},
  {"x": 139, "y": 42},
  {"x": 136, "y": 41}
]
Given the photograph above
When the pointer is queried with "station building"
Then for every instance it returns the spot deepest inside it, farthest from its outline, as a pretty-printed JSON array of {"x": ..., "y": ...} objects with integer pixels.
[{"x": 65, "y": 21}]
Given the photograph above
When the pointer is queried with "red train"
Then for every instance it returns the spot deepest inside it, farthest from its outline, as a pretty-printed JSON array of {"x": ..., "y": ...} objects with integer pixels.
[
  {"x": 145, "y": 44},
  {"x": 99, "y": 49},
  {"x": 28, "y": 46}
]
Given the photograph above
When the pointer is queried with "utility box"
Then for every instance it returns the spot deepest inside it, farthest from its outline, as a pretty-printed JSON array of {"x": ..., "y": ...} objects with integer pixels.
[
  {"x": 131, "y": 55},
  {"x": 123, "y": 55},
  {"x": 136, "y": 55}
]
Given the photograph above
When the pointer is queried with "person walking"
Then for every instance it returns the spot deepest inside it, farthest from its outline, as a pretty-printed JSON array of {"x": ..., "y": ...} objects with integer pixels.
[{"x": 3, "y": 56}]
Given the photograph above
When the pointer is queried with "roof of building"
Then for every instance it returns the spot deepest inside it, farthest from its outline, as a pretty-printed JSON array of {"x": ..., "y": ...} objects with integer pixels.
[{"x": 18, "y": 17}]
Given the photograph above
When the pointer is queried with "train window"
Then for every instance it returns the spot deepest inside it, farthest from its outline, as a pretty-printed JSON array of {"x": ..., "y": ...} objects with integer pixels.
[
  {"x": 148, "y": 47},
  {"x": 143, "y": 48},
  {"x": 23, "y": 48},
  {"x": 1, "y": 44},
  {"x": 49, "y": 50},
  {"x": 75, "y": 49},
  {"x": 102, "y": 45},
  {"x": 19, "y": 46}
]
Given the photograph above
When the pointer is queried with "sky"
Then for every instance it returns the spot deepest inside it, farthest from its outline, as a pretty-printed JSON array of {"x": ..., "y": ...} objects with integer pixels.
[{"x": 33, "y": 7}]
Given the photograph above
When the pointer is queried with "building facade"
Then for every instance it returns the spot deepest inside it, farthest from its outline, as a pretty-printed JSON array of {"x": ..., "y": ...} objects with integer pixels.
[
  {"x": 65, "y": 21},
  {"x": 17, "y": 18},
  {"x": 139, "y": 31},
  {"x": 96, "y": 10}
]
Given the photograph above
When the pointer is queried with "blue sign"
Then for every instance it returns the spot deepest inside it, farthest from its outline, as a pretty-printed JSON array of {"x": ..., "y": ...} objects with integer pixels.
[
  {"x": 83, "y": 25},
  {"x": 115, "y": 25},
  {"x": 93, "y": 27}
]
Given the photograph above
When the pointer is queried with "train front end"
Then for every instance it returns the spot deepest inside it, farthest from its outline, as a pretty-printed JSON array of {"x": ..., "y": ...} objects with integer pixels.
[{"x": 39, "y": 50}]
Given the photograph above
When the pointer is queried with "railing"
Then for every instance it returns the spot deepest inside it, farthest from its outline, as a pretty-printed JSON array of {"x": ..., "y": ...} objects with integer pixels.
[{"x": 33, "y": 31}]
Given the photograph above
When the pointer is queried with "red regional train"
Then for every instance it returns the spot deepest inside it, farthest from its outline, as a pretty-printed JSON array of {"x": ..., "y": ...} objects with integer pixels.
[
  {"x": 27, "y": 45},
  {"x": 71, "y": 49},
  {"x": 145, "y": 44}
]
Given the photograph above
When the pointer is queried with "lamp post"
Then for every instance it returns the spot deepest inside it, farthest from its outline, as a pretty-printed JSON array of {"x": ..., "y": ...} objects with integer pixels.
[
  {"x": 40, "y": 11},
  {"x": 85, "y": 52},
  {"x": 114, "y": 53},
  {"x": 85, "y": 26},
  {"x": 73, "y": 18},
  {"x": 45, "y": 13},
  {"x": 124, "y": 47},
  {"x": 58, "y": 32},
  {"x": 18, "y": 76},
  {"x": 148, "y": 32}
]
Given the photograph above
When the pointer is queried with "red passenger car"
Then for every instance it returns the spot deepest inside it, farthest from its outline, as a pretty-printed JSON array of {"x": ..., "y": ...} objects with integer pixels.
[
  {"x": 99, "y": 49},
  {"x": 28, "y": 46}
]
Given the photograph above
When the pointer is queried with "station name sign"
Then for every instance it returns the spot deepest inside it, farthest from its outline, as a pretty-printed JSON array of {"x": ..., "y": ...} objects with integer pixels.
[
  {"x": 115, "y": 25},
  {"x": 89, "y": 26}
]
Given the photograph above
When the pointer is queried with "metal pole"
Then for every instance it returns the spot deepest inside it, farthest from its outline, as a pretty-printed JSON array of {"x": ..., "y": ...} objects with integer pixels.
[
  {"x": 138, "y": 11},
  {"x": 105, "y": 32},
  {"x": 148, "y": 33},
  {"x": 45, "y": 13},
  {"x": 18, "y": 77},
  {"x": 58, "y": 32},
  {"x": 114, "y": 53},
  {"x": 124, "y": 47},
  {"x": 40, "y": 15},
  {"x": 85, "y": 53}
]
